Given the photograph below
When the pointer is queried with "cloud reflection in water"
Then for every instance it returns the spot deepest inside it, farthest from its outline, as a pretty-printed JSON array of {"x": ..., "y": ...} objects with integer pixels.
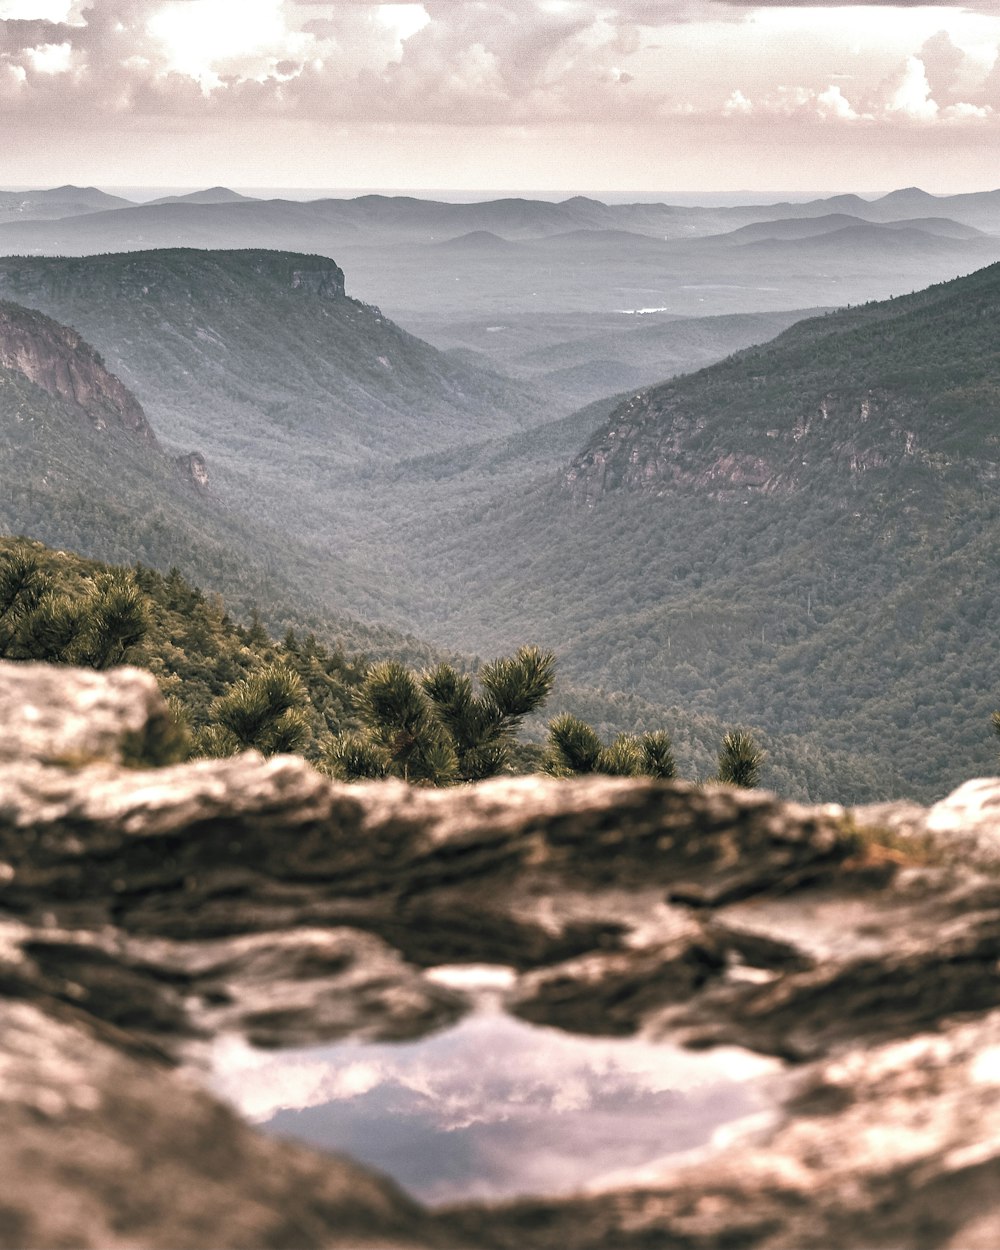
[{"x": 495, "y": 1107}]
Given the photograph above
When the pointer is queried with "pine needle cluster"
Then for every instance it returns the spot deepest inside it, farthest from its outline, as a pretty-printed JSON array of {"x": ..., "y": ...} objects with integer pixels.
[
  {"x": 97, "y": 629},
  {"x": 574, "y": 750},
  {"x": 740, "y": 760},
  {"x": 263, "y": 712},
  {"x": 436, "y": 728}
]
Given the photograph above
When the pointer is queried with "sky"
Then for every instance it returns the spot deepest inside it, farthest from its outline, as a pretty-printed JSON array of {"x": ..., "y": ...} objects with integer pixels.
[{"x": 637, "y": 97}]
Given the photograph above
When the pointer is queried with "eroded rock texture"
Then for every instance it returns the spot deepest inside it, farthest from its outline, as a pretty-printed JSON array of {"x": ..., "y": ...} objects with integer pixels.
[
  {"x": 145, "y": 912},
  {"x": 58, "y": 360}
]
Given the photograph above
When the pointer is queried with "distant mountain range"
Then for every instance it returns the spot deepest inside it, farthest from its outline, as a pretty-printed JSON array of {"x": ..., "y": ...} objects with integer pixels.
[
  {"x": 832, "y": 223},
  {"x": 56, "y": 203},
  {"x": 434, "y": 266},
  {"x": 407, "y": 218}
]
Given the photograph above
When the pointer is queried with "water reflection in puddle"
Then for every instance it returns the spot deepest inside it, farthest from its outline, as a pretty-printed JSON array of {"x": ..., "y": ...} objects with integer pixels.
[{"x": 495, "y": 1107}]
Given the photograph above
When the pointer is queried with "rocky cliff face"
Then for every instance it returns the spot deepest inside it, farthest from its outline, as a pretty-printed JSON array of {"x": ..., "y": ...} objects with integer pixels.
[
  {"x": 58, "y": 361},
  {"x": 144, "y": 912},
  {"x": 660, "y": 440},
  {"x": 908, "y": 384}
]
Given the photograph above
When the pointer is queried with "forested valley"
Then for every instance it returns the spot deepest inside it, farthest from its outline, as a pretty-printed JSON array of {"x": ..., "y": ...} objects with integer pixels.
[{"x": 794, "y": 539}]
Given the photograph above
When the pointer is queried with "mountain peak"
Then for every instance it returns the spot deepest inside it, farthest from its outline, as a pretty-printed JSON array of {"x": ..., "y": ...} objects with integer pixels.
[
  {"x": 211, "y": 195},
  {"x": 908, "y": 195}
]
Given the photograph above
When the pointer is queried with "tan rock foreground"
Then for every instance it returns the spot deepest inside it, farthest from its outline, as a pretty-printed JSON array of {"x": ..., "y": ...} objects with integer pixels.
[{"x": 144, "y": 912}]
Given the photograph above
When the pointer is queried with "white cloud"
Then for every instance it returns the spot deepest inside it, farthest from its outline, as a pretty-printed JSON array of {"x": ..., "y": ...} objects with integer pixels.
[
  {"x": 832, "y": 103},
  {"x": 578, "y": 84},
  {"x": 737, "y": 105},
  {"x": 963, "y": 111},
  {"x": 489, "y": 1068},
  {"x": 50, "y": 58},
  {"x": 912, "y": 96}
]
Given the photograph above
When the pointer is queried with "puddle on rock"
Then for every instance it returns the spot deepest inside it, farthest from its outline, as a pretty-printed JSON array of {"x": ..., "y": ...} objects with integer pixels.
[{"x": 495, "y": 1107}]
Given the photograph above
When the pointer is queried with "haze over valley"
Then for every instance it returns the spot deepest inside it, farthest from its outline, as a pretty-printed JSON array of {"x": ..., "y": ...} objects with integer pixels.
[{"x": 393, "y": 417}]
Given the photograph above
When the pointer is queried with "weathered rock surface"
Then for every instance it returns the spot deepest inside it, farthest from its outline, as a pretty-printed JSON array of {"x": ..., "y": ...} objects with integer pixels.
[
  {"x": 194, "y": 470},
  {"x": 57, "y": 359},
  {"x": 146, "y": 912}
]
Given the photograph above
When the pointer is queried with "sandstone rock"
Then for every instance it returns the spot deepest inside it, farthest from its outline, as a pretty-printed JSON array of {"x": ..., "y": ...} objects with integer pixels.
[
  {"x": 968, "y": 822},
  {"x": 76, "y": 716},
  {"x": 102, "y": 1150},
  {"x": 145, "y": 914},
  {"x": 194, "y": 470},
  {"x": 881, "y": 1149}
]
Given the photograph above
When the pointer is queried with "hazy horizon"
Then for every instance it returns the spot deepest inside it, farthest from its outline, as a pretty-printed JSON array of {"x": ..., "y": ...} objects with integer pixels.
[{"x": 143, "y": 194}]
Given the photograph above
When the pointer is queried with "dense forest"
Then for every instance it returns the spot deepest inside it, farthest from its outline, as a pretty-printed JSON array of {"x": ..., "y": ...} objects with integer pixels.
[
  {"x": 803, "y": 536},
  {"x": 799, "y": 539}
]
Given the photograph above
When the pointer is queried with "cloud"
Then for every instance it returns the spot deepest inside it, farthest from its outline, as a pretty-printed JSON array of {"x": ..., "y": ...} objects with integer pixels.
[
  {"x": 464, "y": 1081},
  {"x": 310, "y": 69},
  {"x": 737, "y": 105},
  {"x": 833, "y": 104},
  {"x": 912, "y": 96}
]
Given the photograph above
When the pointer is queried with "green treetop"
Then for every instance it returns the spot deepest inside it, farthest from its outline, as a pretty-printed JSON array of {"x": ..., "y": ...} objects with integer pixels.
[{"x": 436, "y": 728}]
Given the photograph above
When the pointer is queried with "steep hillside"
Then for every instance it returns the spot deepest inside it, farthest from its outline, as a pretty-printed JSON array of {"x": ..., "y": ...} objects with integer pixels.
[
  {"x": 804, "y": 536},
  {"x": 86, "y": 476},
  {"x": 912, "y": 384},
  {"x": 60, "y": 363},
  {"x": 261, "y": 361},
  {"x": 81, "y": 469}
]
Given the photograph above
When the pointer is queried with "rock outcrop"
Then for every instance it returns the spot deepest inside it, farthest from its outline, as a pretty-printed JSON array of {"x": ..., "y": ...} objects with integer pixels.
[
  {"x": 146, "y": 911},
  {"x": 59, "y": 361},
  {"x": 194, "y": 471}
]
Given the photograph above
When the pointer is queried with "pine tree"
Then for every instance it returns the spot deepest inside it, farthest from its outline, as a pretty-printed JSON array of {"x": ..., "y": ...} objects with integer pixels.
[
  {"x": 403, "y": 731},
  {"x": 574, "y": 747},
  {"x": 116, "y": 619},
  {"x": 740, "y": 760},
  {"x": 658, "y": 755},
  {"x": 98, "y": 629},
  {"x": 574, "y": 750},
  {"x": 263, "y": 712},
  {"x": 483, "y": 727},
  {"x": 22, "y": 585},
  {"x": 434, "y": 728},
  {"x": 52, "y": 631}
]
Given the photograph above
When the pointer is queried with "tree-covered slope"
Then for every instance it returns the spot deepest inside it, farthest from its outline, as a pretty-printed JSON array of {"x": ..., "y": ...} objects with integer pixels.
[
  {"x": 910, "y": 385},
  {"x": 201, "y": 656},
  {"x": 803, "y": 537},
  {"x": 261, "y": 362},
  {"x": 82, "y": 469}
]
